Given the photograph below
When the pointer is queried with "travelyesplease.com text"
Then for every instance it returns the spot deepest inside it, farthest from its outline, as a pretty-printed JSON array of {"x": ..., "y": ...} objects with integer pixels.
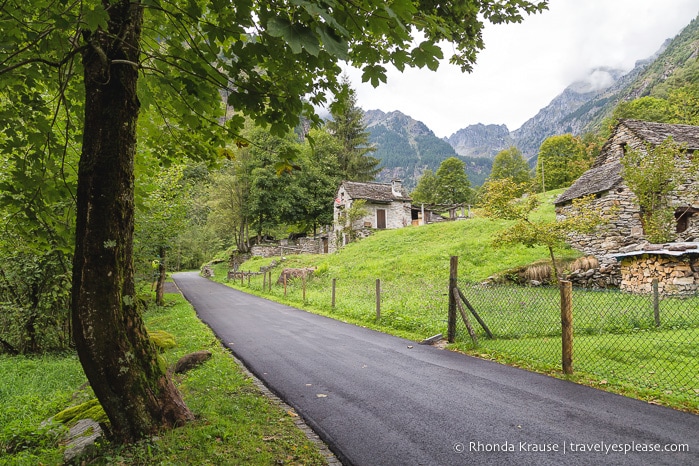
[{"x": 569, "y": 447}]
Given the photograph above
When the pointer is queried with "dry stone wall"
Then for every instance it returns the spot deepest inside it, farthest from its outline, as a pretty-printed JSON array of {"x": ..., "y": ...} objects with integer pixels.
[{"x": 287, "y": 247}]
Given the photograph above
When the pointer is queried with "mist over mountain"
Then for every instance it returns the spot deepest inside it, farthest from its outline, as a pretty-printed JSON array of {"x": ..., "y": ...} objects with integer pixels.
[{"x": 407, "y": 146}]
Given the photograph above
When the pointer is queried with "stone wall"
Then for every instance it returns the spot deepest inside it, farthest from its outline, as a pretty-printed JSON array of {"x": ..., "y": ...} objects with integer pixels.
[
  {"x": 605, "y": 276},
  {"x": 675, "y": 275},
  {"x": 623, "y": 227},
  {"x": 288, "y": 247}
]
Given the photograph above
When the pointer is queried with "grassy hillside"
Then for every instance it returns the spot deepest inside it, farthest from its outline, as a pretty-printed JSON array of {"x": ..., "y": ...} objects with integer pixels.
[
  {"x": 413, "y": 266},
  {"x": 423, "y": 252}
]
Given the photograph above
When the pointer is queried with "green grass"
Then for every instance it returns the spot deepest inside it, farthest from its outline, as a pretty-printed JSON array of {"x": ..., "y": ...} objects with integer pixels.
[
  {"x": 235, "y": 423},
  {"x": 413, "y": 266}
]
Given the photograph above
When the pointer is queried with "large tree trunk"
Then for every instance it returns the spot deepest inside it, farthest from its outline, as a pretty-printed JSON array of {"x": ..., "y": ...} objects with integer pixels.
[{"x": 116, "y": 354}]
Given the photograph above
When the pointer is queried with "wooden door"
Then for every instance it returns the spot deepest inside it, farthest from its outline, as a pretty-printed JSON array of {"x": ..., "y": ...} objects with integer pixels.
[{"x": 380, "y": 219}]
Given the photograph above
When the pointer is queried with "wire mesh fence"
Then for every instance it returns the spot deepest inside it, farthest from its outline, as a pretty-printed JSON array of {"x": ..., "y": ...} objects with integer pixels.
[
  {"x": 650, "y": 341},
  {"x": 618, "y": 338}
]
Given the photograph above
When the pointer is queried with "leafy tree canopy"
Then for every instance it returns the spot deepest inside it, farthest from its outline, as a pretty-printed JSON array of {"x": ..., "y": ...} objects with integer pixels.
[
  {"x": 652, "y": 175},
  {"x": 561, "y": 161},
  {"x": 347, "y": 126},
  {"x": 453, "y": 185},
  {"x": 498, "y": 201},
  {"x": 509, "y": 163},
  {"x": 426, "y": 190}
]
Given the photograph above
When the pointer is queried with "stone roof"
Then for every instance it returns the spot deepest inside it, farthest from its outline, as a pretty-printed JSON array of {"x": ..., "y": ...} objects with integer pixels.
[
  {"x": 655, "y": 133},
  {"x": 668, "y": 249},
  {"x": 604, "y": 175},
  {"x": 376, "y": 192},
  {"x": 593, "y": 181}
]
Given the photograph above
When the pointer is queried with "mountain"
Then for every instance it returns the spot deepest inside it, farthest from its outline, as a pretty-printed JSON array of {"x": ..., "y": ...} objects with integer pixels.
[
  {"x": 572, "y": 110},
  {"x": 481, "y": 140},
  {"x": 406, "y": 147},
  {"x": 580, "y": 109}
]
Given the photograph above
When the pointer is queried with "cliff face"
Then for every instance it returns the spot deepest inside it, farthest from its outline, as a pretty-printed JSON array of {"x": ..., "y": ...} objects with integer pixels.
[
  {"x": 481, "y": 140},
  {"x": 570, "y": 111}
]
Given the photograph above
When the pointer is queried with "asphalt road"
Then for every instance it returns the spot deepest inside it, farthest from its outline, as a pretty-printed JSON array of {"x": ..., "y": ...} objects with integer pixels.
[{"x": 376, "y": 399}]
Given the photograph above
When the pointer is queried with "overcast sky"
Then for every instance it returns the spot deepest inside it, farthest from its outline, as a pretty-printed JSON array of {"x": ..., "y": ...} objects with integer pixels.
[{"x": 524, "y": 66}]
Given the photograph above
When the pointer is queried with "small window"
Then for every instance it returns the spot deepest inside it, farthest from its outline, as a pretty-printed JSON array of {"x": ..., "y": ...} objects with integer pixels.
[{"x": 682, "y": 216}]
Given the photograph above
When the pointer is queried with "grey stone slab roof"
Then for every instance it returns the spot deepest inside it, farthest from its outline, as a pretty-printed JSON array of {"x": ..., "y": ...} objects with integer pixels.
[
  {"x": 655, "y": 133},
  {"x": 377, "y": 192},
  {"x": 593, "y": 181},
  {"x": 669, "y": 249}
]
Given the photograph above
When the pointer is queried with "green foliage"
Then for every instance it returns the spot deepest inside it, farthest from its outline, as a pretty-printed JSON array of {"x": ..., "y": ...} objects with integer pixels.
[
  {"x": 498, "y": 202},
  {"x": 34, "y": 300},
  {"x": 234, "y": 418},
  {"x": 271, "y": 62},
  {"x": 348, "y": 127},
  {"x": 509, "y": 163},
  {"x": 315, "y": 183},
  {"x": 561, "y": 161},
  {"x": 32, "y": 390},
  {"x": 678, "y": 105},
  {"x": 426, "y": 190},
  {"x": 502, "y": 198},
  {"x": 348, "y": 217},
  {"x": 453, "y": 186},
  {"x": 652, "y": 175}
]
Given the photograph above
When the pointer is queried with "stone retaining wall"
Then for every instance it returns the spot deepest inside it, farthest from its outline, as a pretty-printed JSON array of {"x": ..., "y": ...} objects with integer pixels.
[{"x": 288, "y": 247}]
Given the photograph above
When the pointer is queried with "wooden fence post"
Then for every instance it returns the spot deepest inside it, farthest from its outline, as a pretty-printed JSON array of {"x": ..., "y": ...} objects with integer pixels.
[
  {"x": 333, "y": 294},
  {"x": 656, "y": 303},
  {"x": 303, "y": 284},
  {"x": 467, "y": 322},
  {"x": 284, "y": 275},
  {"x": 264, "y": 281},
  {"x": 378, "y": 299},
  {"x": 567, "y": 326},
  {"x": 451, "y": 324},
  {"x": 270, "y": 280}
]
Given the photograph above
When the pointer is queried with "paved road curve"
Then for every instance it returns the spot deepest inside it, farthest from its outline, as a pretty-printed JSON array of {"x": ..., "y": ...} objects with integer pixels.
[{"x": 381, "y": 400}]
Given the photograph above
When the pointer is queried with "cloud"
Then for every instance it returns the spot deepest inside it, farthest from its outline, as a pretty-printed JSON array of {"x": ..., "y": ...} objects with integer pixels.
[{"x": 524, "y": 66}]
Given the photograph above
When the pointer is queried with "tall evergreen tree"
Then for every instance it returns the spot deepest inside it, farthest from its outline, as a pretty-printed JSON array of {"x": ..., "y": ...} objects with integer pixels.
[{"x": 348, "y": 127}]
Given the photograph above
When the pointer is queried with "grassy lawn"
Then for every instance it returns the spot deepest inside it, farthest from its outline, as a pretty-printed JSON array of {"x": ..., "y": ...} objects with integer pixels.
[{"x": 236, "y": 423}]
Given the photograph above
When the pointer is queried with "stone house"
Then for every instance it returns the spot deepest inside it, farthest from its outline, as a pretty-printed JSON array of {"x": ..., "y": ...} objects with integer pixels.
[
  {"x": 388, "y": 207},
  {"x": 624, "y": 230}
]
